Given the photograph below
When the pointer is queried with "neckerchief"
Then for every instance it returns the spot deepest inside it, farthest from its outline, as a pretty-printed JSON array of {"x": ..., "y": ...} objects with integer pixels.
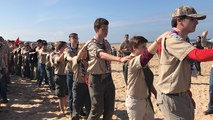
[
  {"x": 108, "y": 65},
  {"x": 73, "y": 50},
  {"x": 177, "y": 31}
]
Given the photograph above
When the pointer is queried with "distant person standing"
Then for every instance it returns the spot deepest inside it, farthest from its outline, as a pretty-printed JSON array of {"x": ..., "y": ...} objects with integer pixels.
[
  {"x": 114, "y": 51},
  {"x": 43, "y": 52},
  {"x": 33, "y": 61},
  {"x": 124, "y": 47},
  {"x": 198, "y": 45},
  {"x": 124, "y": 50},
  {"x": 71, "y": 51},
  {"x": 60, "y": 75},
  {"x": 173, "y": 97}
]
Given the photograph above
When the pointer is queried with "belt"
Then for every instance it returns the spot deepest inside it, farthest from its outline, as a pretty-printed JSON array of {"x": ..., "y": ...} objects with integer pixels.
[{"x": 179, "y": 94}]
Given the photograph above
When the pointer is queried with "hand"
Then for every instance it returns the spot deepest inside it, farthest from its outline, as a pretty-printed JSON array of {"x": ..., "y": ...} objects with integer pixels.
[
  {"x": 126, "y": 58},
  {"x": 85, "y": 45},
  {"x": 65, "y": 56},
  {"x": 81, "y": 53},
  {"x": 204, "y": 34},
  {"x": 159, "y": 39}
]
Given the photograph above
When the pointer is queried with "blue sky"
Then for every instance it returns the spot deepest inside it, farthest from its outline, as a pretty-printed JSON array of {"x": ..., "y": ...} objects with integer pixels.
[{"x": 54, "y": 20}]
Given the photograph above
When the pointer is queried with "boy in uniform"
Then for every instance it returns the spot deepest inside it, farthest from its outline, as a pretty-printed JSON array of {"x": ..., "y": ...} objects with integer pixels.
[{"x": 101, "y": 86}]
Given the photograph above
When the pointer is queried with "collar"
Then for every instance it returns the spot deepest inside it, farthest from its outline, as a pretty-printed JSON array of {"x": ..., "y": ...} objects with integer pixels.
[
  {"x": 72, "y": 49},
  {"x": 98, "y": 40},
  {"x": 178, "y": 32}
]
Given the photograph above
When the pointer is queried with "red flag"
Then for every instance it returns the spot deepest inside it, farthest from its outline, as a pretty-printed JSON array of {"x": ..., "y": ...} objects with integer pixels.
[{"x": 17, "y": 41}]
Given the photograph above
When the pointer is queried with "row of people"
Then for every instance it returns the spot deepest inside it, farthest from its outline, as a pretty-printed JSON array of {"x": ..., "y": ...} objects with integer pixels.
[{"x": 91, "y": 66}]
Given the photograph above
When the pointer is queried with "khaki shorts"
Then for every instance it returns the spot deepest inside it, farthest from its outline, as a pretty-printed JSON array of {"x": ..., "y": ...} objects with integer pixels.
[{"x": 139, "y": 109}]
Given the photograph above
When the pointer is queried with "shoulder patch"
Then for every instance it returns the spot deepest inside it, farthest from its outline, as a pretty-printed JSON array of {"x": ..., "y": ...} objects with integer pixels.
[{"x": 175, "y": 36}]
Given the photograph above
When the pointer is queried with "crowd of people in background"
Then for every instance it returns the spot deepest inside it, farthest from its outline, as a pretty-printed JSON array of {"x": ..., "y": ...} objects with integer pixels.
[{"x": 80, "y": 74}]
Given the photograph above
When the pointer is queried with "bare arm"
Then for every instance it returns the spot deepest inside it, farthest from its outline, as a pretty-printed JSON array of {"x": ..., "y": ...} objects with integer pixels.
[
  {"x": 109, "y": 57},
  {"x": 154, "y": 46}
]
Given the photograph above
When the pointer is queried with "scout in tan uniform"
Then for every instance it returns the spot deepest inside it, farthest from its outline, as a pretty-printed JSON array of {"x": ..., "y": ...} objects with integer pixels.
[
  {"x": 38, "y": 48},
  {"x": 49, "y": 68},
  {"x": 60, "y": 75},
  {"x": 43, "y": 52},
  {"x": 70, "y": 52},
  {"x": 26, "y": 60},
  {"x": 124, "y": 46},
  {"x": 80, "y": 90},
  {"x": 140, "y": 80},
  {"x": 101, "y": 86},
  {"x": 175, "y": 66},
  {"x": 19, "y": 62}
]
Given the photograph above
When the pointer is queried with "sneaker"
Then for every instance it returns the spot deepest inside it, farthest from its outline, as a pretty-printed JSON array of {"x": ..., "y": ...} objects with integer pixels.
[{"x": 208, "y": 112}]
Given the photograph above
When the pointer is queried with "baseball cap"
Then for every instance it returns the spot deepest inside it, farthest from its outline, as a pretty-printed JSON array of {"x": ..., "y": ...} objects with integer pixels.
[{"x": 187, "y": 11}]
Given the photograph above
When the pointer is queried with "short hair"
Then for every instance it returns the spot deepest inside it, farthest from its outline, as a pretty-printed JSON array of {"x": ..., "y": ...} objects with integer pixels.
[
  {"x": 99, "y": 22},
  {"x": 59, "y": 44},
  {"x": 39, "y": 41},
  {"x": 73, "y": 35},
  {"x": 135, "y": 41},
  {"x": 44, "y": 42},
  {"x": 126, "y": 35}
]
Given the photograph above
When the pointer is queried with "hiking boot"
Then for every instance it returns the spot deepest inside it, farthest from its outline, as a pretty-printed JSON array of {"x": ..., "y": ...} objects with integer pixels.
[{"x": 207, "y": 112}]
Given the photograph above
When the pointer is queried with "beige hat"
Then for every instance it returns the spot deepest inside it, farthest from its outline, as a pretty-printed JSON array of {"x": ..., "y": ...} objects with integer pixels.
[{"x": 187, "y": 11}]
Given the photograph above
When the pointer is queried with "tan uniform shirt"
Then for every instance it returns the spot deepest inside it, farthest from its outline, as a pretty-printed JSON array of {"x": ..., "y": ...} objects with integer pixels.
[
  {"x": 42, "y": 57},
  {"x": 136, "y": 84},
  {"x": 95, "y": 64},
  {"x": 175, "y": 68},
  {"x": 59, "y": 66},
  {"x": 48, "y": 63},
  {"x": 79, "y": 70},
  {"x": 69, "y": 64}
]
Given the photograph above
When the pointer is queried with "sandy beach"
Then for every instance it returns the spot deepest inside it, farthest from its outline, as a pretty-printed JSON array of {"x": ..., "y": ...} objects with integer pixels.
[{"x": 29, "y": 102}]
